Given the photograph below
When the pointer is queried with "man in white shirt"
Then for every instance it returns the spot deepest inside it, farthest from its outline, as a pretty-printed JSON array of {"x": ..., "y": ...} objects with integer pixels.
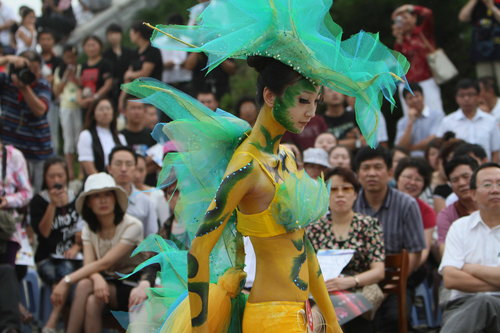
[
  {"x": 471, "y": 124},
  {"x": 419, "y": 126},
  {"x": 7, "y": 19},
  {"x": 471, "y": 261},
  {"x": 490, "y": 102}
]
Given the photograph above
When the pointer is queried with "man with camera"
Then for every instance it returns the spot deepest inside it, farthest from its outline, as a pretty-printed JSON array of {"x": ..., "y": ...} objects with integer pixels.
[{"x": 24, "y": 101}]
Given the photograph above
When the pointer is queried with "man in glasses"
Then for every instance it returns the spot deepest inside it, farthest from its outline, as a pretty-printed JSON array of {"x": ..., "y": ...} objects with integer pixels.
[{"x": 471, "y": 261}]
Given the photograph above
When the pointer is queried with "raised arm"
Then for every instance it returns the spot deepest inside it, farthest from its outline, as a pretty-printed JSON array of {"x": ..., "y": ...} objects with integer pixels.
[
  {"x": 319, "y": 292},
  {"x": 235, "y": 185}
]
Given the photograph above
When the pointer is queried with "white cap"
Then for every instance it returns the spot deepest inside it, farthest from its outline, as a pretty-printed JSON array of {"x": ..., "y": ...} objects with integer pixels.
[
  {"x": 101, "y": 182},
  {"x": 316, "y": 156}
]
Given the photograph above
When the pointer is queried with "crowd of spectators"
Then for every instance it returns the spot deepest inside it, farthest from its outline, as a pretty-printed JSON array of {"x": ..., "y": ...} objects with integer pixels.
[{"x": 435, "y": 192}]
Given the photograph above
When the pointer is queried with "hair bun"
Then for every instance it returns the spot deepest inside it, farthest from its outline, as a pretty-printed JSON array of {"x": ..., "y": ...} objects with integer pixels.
[{"x": 259, "y": 62}]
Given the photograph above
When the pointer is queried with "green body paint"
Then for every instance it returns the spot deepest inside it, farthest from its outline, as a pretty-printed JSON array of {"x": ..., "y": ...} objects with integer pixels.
[
  {"x": 270, "y": 142},
  {"x": 283, "y": 104},
  {"x": 201, "y": 289},
  {"x": 297, "y": 265},
  {"x": 311, "y": 252},
  {"x": 213, "y": 218},
  {"x": 192, "y": 266}
]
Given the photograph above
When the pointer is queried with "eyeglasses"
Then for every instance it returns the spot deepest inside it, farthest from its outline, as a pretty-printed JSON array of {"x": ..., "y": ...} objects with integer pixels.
[
  {"x": 464, "y": 176},
  {"x": 490, "y": 185},
  {"x": 415, "y": 179},
  {"x": 344, "y": 189}
]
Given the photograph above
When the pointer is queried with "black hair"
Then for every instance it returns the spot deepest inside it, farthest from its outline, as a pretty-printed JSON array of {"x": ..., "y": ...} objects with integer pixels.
[
  {"x": 89, "y": 216},
  {"x": 400, "y": 149},
  {"x": 467, "y": 148},
  {"x": 90, "y": 122},
  {"x": 114, "y": 27},
  {"x": 31, "y": 56},
  {"x": 175, "y": 19},
  {"x": 419, "y": 163},
  {"x": 46, "y": 32},
  {"x": 368, "y": 153},
  {"x": 127, "y": 98},
  {"x": 94, "y": 38},
  {"x": 25, "y": 11},
  {"x": 415, "y": 87},
  {"x": 347, "y": 174},
  {"x": 473, "y": 178},
  {"x": 488, "y": 83},
  {"x": 450, "y": 166},
  {"x": 121, "y": 148},
  {"x": 50, "y": 162},
  {"x": 207, "y": 89},
  {"x": 466, "y": 84},
  {"x": 70, "y": 48},
  {"x": 143, "y": 30},
  {"x": 243, "y": 100},
  {"x": 273, "y": 74},
  {"x": 434, "y": 143}
]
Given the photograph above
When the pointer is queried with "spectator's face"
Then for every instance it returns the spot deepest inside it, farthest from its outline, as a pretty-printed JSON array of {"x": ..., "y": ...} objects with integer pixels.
[
  {"x": 487, "y": 193},
  {"x": 415, "y": 101},
  {"x": 411, "y": 182},
  {"x": 151, "y": 116},
  {"x": 433, "y": 158},
  {"x": 122, "y": 167},
  {"x": 172, "y": 195},
  {"x": 342, "y": 195},
  {"x": 396, "y": 157},
  {"x": 114, "y": 38},
  {"x": 36, "y": 68},
  {"x": 29, "y": 19},
  {"x": 55, "y": 175},
  {"x": 135, "y": 112},
  {"x": 325, "y": 141},
  {"x": 467, "y": 99},
  {"x": 46, "y": 42},
  {"x": 140, "y": 172},
  {"x": 460, "y": 179},
  {"x": 314, "y": 170},
  {"x": 69, "y": 58},
  {"x": 102, "y": 203},
  {"x": 92, "y": 48},
  {"x": 374, "y": 175},
  {"x": 248, "y": 112},
  {"x": 332, "y": 97},
  {"x": 339, "y": 157},
  {"x": 208, "y": 100},
  {"x": 103, "y": 113}
]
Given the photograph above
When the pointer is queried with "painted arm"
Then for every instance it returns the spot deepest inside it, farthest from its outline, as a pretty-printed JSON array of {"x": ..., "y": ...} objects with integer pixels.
[
  {"x": 236, "y": 183},
  {"x": 455, "y": 278},
  {"x": 489, "y": 274},
  {"x": 319, "y": 292}
]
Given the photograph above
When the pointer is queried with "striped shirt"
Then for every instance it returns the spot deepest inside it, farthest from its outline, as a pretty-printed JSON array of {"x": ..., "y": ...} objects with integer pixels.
[
  {"x": 401, "y": 221},
  {"x": 20, "y": 126}
]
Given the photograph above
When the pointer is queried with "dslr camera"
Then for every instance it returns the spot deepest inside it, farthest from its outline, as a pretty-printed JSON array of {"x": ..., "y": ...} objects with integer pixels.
[{"x": 23, "y": 73}]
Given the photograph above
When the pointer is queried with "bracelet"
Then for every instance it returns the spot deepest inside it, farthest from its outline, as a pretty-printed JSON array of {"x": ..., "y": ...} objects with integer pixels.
[{"x": 356, "y": 279}]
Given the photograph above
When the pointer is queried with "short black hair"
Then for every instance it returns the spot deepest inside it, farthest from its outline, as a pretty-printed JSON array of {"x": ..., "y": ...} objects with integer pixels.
[
  {"x": 347, "y": 174},
  {"x": 206, "y": 90},
  {"x": 466, "y": 84},
  {"x": 419, "y": 163},
  {"x": 114, "y": 27},
  {"x": 488, "y": 83},
  {"x": 473, "y": 178},
  {"x": 415, "y": 87},
  {"x": 32, "y": 56},
  {"x": 467, "y": 148},
  {"x": 70, "y": 48},
  {"x": 243, "y": 100},
  {"x": 368, "y": 153},
  {"x": 91, "y": 219},
  {"x": 121, "y": 148},
  {"x": 143, "y": 30},
  {"x": 450, "y": 166},
  {"x": 94, "y": 38},
  {"x": 46, "y": 32}
]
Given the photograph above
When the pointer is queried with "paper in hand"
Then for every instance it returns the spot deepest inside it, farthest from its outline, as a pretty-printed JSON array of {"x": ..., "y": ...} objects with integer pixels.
[{"x": 332, "y": 262}]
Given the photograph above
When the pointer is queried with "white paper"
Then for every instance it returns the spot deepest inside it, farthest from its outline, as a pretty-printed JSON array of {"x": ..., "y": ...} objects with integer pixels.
[
  {"x": 332, "y": 262},
  {"x": 79, "y": 256}
]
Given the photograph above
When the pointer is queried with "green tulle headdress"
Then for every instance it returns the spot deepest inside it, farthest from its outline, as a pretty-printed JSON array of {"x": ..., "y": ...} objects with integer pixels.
[{"x": 300, "y": 34}]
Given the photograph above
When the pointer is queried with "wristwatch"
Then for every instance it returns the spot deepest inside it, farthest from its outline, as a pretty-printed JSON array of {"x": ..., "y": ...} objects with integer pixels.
[{"x": 67, "y": 279}]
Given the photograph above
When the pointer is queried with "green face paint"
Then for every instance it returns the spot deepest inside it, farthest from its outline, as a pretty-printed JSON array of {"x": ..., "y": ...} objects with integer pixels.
[
  {"x": 283, "y": 104},
  {"x": 270, "y": 142}
]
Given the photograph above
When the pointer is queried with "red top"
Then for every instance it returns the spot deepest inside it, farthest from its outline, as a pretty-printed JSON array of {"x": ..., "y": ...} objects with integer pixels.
[
  {"x": 428, "y": 214},
  {"x": 415, "y": 49}
]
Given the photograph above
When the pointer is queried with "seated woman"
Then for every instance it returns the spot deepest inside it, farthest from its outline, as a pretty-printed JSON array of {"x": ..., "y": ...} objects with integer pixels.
[
  {"x": 342, "y": 228},
  {"x": 55, "y": 221},
  {"x": 99, "y": 137},
  {"x": 109, "y": 237}
]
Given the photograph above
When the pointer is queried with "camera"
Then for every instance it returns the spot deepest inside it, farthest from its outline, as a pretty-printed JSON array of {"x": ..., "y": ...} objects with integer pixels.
[
  {"x": 23, "y": 73},
  {"x": 58, "y": 186}
]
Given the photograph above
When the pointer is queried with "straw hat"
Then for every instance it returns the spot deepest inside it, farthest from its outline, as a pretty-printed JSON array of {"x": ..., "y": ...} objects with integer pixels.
[{"x": 101, "y": 182}]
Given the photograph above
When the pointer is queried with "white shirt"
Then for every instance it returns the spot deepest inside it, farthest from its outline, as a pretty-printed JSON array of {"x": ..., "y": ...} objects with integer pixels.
[
  {"x": 382, "y": 129},
  {"x": 84, "y": 147},
  {"x": 481, "y": 129},
  {"x": 20, "y": 44},
  {"x": 496, "y": 112},
  {"x": 177, "y": 73},
  {"x": 471, "y": 241},
  {"x": 143, "y": 208},
  {"x": 6, "y": 14}
]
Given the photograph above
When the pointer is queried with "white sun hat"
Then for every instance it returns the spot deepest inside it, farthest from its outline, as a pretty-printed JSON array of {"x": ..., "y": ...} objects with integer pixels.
[
  {"x": 101, "y": 182},
  {"x": 316, "y": 156}
]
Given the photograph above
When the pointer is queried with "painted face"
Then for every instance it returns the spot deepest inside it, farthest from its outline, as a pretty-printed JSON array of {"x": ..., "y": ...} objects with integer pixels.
[
  {"x": 297, "y": 106},
  {"x": 325, "y": 141},
  {"x": 411, "y": 182},
  {"x": 103, "y": 113},
  {"x": 55, "y": 175},
  {"x": 339, "y": 157},
  {"x": 487, "y": 194},
  {"x": 102, "y": 203},
  {"x": 342, "y": 195}
]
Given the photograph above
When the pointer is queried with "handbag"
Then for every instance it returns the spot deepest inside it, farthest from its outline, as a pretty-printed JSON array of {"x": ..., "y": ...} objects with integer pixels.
[
  {"x": 374, "y": 294},
  {"x": 441, "y": 66}
]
